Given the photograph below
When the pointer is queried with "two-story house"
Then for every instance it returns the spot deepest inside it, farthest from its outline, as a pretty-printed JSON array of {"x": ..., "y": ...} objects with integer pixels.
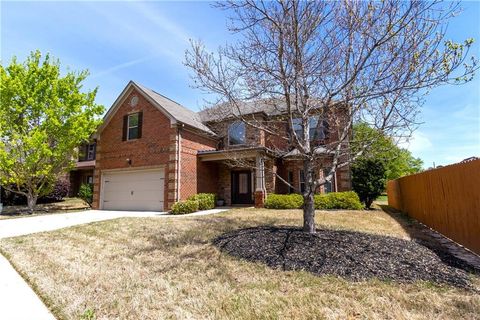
[{"x": 151, "y": 152}]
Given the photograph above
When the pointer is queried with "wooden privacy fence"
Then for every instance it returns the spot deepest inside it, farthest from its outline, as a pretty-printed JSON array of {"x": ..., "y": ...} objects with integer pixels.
[{"x": 446, "y": 199}]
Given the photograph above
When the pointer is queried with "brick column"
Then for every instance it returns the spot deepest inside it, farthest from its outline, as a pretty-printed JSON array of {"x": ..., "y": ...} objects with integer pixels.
[
  {"x": 172, "y": 171},
  {"x": 259, "y": 199}
]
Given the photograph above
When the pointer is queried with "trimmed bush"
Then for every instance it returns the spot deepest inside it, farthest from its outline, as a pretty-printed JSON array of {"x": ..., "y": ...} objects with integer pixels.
[
  {"x": 86, "y": 193},
  {"x": 338, "y": 200},
  {"x": 206, "y": 201},
  {"x": 184, "y": 207},
  {"x": 284, "y": 201},
  {"x": 335, "y": 200}
]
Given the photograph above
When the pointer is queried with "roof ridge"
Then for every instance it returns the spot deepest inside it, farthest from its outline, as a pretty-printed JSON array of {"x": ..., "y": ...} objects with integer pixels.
[{"x": 141, "y": 85}]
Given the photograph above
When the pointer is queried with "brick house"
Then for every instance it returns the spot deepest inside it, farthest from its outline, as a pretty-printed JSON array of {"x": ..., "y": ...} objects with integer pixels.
[{"x": 151, "y": 152}]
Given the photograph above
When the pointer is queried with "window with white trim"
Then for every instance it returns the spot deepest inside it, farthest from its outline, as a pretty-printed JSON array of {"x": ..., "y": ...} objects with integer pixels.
[
  {"x": 302, "y": 181},
  {"x": 132, "y": 126}
]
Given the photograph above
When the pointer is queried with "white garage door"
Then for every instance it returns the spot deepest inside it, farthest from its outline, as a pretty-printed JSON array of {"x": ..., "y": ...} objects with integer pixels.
[{"x": 134, "y": 190}]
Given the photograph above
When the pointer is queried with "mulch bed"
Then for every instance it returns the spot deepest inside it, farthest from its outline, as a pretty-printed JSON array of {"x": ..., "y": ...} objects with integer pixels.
[{"x": 352, "y": 255}]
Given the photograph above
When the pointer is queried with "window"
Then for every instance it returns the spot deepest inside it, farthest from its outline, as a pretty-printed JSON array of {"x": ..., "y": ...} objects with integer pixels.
[
  {"x": 89, "y": 179},
  {"x": 236, "y": 133},
  {"x": 290, "y": 182},
  {"x": 91, "y": 151},
  {"x": 317, "y": 129},
  {"x": 132, "y": 126},
  {"x": 328, "y": 187},
  {"x": 302, "y": 181},
  {"x": 243, "y": 183}
]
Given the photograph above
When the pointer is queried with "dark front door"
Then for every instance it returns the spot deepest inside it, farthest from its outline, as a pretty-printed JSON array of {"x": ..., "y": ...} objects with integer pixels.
[{"x": 241, "y": 187}]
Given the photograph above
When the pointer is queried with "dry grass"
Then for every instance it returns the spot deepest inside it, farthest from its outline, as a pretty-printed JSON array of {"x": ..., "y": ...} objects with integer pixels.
[
  {"x": 67, "y": 205},
  {"x": 167, "y": 268}
]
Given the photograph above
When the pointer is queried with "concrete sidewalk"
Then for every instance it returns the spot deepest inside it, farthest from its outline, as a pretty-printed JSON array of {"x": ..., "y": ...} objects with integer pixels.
[{"x": 17, "y": 300}]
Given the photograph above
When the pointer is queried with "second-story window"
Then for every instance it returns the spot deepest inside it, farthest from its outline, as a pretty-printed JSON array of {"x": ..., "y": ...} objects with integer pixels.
[
  {"x": 317, "y": 129},
  {"x": 132, "y": 126},
  {"x": 236, "y": 133},
  {"x": 91, "y": 151}
]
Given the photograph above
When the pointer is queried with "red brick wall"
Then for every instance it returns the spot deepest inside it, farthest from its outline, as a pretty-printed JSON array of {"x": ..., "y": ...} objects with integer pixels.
[
  {"x": 196, "y": 176},
  {"x": 152, "y": 149}
]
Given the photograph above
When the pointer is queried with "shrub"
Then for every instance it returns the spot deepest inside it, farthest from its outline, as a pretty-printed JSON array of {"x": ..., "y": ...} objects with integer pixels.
[
  {"x": 338, "y": 200},
  {"x": 9, "y": 198},
  {"x": 206, "y": 201},
  {"x": 184, "y": 207},
  {"x": 60, "y": 191},
  {"x": 284, "y": 201},
  {"x": 86, "y": 193},
  {"x": 368, "y": 179}
]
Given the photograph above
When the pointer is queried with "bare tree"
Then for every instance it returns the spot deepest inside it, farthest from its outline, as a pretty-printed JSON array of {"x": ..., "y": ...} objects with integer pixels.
[{"x": 344, "y": 61}]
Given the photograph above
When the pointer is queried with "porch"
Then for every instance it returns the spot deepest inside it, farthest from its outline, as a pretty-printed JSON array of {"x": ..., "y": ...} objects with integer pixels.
[
  {"x": 247, "y": 175},
  {"x": 81, "y": 174},
  {"x": 242, "y": 177}
]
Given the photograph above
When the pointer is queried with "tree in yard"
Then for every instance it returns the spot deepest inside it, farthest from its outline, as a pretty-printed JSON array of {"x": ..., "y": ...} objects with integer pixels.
[
  {"x": 368, "y": 179},
  {"x": 44, "y": 117},
  {"x": 345, "y": 62},
  {"x": 398, "y": 162}
]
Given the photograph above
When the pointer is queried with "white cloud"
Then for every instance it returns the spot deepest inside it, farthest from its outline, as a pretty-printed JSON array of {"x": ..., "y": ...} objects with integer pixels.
[
  {"x": 120, "y": 66},
  {"x": 418, "y": 142},
  {"x": 142, "y": 26}
]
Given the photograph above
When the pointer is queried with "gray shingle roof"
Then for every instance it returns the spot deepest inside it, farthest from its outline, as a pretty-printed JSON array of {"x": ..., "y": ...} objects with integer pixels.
[
  {"x": 226, "y": 110},
  {"x": 176, "y": 110}
]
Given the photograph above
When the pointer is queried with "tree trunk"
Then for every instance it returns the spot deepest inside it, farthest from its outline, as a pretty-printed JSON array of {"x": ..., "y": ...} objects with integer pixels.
[
  {"x": 308, "y": 200},
  {"x": 31, "y": 202},
  {"x": 308, "y": 213}
]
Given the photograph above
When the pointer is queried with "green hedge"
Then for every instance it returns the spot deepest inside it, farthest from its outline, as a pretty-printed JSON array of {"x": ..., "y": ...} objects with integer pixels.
[
  {"x": 338, "y": 200},
  {"x": 284, "y": 201},
  {"x": 184, "y": 207},
  {"x": 206, "y": 201},
  {"x": 335, "y": 200}
]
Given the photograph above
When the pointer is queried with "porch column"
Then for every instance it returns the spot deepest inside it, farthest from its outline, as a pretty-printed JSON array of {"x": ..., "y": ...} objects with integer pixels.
[{"x": 260, "y": 192}]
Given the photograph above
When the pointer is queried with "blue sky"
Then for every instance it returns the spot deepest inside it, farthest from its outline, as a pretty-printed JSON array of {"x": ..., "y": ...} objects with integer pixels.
[{"x": 146, "y": 41}]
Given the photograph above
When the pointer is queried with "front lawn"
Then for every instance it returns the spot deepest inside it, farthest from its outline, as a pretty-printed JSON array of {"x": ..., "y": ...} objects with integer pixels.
[
  {"x": 382, "y": 198},
  {"x": 157, "y": 268}
]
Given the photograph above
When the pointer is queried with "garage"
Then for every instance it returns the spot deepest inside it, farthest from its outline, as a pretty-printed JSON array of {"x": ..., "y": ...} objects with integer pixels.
[{"x": 133, "y": 190}]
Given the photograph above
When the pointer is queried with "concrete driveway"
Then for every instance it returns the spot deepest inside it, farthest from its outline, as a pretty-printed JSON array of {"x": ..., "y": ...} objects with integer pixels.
[
  {"x": 28, "y": 225},
  {"x": 17, "y": 300}
]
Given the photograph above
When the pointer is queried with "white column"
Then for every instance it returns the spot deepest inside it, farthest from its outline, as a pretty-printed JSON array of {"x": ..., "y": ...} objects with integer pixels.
[{"x": 260, "y": 174}]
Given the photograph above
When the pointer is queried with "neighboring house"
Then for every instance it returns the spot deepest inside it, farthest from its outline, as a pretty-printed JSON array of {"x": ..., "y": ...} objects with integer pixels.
[{"x": 151, "y": 152}]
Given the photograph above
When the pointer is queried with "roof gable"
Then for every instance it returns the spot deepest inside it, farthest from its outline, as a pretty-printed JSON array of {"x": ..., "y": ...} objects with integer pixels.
[{"x": 173, "y": 110}]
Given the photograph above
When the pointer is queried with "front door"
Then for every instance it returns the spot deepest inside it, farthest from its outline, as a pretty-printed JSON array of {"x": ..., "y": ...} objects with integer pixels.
[{"x": 241, "y": 187}]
